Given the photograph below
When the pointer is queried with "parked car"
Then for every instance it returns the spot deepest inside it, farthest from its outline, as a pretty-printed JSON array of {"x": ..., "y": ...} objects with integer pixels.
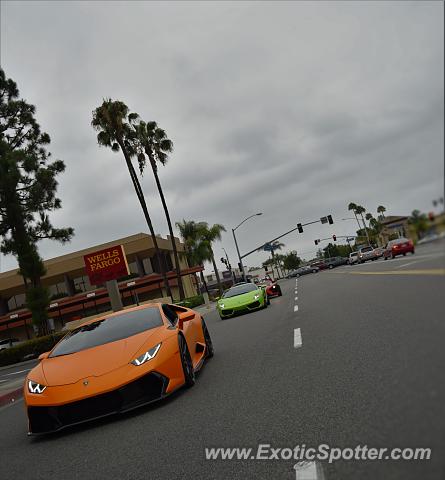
[
  {"x": 353, "y": 258},
  {"x": 379, "y": 252},
  {"x": 366, "y": 253},
  {"x": 303, "y": 271},
  {"x": 336, "y": 262},
  {"x": 400, "y": 246},
  {"x": 320, "y": 264},
  {"x": 8, "y": 343}
]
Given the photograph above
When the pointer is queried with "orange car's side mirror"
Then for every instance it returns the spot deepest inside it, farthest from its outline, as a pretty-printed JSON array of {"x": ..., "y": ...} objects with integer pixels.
[
  {"x": 185, "y": 317},
  {"x": 44, "y": 355}
]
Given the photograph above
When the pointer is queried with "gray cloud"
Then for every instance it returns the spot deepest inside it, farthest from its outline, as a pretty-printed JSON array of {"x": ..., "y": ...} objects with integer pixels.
[{"x": 289, "y": 108}]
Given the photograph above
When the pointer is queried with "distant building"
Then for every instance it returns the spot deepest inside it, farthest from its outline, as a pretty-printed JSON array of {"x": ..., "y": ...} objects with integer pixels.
[
  {"x": 73, "y": 297},
  {"x": 394, "y": 227}
]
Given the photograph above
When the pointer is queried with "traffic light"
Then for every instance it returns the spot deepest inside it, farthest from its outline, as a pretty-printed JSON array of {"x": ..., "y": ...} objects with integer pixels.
[
  {"x": 316, "y": 242},
  {"x": 330, "y": 219},
  {"x": 265, "y": 268},
  {"x": 300, "y": 227},
  {"x": 240, "y": 266},
  {"x": 334, "y": 237},
  {"x": 223, "y": 260}
]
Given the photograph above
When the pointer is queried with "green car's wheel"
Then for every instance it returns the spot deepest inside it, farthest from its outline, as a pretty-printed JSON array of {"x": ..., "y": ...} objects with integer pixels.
[{"x": 267, "y": 300}]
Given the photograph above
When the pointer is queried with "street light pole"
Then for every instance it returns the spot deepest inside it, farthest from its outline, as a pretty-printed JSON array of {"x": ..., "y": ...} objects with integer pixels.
[
  {"x": 236, "y": 243},
  {"x": 239, "y": 255}
]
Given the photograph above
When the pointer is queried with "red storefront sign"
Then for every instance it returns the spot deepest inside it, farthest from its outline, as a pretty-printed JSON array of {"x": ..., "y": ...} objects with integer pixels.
[{"x": 105, "y": 265}]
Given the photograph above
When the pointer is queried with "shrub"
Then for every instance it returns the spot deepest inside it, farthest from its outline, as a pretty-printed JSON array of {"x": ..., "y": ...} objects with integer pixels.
[
  {"x": 34, "y": 347},
  {"x": 192, "y": 302}
]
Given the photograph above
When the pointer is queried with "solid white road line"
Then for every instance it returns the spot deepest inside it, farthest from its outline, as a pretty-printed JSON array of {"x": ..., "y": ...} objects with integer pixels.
[
  {"x": 409, "y": 263},
  {"x": 298, "y": 342},
  {"x": 309, "y": 471},
  {"x": 16, "y": 373}
]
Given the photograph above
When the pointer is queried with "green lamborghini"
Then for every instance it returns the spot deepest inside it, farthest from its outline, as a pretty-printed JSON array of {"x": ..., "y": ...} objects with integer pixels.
[{"x": 242, "y": 297}]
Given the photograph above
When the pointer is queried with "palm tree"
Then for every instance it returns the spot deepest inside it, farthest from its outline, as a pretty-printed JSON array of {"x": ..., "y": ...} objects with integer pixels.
[
  {"x": 111, "y": 121},
  {"x": 360, "y": 211},
  {"x": 279, "y": 258},
  {"x": 152, "y": 141},
  {"x": 196, "y": 250},
  {"x": 276, "y": 246},
  {"x": 419, "y": 222},
  {"x": 211, "y": 235},
  {"x": 369, "y": 216},
  {"x": 381, "y": 209},
  {"x": 353, "y": 207}
]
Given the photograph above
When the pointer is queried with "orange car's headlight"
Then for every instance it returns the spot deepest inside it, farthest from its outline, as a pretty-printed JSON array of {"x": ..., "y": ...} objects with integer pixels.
[
  {"x": 148, "y": 355},
  {"x": 34, "y": 387}
]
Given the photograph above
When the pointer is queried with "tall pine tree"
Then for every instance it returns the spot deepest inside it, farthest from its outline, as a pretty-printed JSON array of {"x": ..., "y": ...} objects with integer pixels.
[{"x": 27, "y": 193}]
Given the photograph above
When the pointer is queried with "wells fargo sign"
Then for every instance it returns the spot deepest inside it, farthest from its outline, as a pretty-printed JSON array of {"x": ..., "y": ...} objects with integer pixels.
[{"x": 107, "y": 264}]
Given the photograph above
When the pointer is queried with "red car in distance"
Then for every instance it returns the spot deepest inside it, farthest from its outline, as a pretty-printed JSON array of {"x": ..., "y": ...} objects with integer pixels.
[
  {"x": 400, "y": 246},
  {"x": 272, "y": 288}
]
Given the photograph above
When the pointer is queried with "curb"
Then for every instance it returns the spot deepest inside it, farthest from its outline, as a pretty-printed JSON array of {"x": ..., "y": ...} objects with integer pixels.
[{"x": 11, "y": 397}]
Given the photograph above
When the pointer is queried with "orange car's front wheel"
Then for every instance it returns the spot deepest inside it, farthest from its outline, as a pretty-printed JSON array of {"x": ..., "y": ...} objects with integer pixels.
[{"x": 187, "y": 364}]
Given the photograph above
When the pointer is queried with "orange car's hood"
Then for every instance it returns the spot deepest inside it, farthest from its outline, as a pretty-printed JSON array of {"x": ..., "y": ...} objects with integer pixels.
[{"x": 95, "y": 361}]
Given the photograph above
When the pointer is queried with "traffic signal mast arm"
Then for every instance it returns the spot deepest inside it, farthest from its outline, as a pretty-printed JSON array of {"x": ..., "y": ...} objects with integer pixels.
[
  {"x": 298, "y": 227},
  {"x": 319, "y": 240}
]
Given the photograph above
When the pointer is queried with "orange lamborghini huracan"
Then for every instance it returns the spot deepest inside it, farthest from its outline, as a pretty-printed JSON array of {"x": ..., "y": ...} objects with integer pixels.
[{"x": 116, "y": 363}]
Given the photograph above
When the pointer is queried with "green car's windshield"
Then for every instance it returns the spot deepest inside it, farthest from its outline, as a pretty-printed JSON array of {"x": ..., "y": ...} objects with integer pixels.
[{"x": 239, "y": 290}]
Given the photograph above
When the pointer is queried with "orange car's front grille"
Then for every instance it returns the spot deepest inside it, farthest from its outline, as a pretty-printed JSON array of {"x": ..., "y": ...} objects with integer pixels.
[{"x": 144, "y": 390}]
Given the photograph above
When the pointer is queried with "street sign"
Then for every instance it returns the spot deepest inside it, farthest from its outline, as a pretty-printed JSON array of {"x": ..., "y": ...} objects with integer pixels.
[{"x": 324, "y": 219}]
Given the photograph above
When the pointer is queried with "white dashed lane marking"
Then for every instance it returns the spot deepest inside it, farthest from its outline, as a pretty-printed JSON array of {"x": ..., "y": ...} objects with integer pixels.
[
  {"x": 298, "y": 342},
  {"x": 296, "y": 308}
]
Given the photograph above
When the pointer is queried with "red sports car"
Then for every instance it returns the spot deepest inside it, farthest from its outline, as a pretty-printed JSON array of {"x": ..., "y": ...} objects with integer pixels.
[
  {"x": 400, "y": 246},
  {"x": 272, "y": 289}
]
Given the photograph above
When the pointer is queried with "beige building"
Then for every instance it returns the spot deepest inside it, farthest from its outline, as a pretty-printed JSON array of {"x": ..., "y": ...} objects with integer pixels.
[{"x": 72, "y": 295}]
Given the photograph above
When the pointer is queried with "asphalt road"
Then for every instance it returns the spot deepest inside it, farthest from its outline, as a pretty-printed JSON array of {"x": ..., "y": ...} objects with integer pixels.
[
  {"x": 12, "y": 376},
  {"x": 369, "y": 371}
]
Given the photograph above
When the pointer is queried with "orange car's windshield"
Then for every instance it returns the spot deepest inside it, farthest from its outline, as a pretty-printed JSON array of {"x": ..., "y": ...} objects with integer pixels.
[{"x": 108, "y": 330}]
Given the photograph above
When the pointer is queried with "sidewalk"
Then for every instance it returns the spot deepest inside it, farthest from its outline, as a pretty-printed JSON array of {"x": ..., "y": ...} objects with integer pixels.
[
  {"x": 11, "y": 392},
  {"x": 203, "y": 309}
]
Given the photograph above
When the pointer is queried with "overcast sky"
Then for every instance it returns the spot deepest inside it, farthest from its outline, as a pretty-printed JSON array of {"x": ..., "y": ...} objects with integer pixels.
[{"x": 293, "y": 109}]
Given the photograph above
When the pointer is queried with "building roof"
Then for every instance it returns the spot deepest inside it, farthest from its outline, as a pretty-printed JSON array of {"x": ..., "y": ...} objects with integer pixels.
[{"x": 392, "y": 219}]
